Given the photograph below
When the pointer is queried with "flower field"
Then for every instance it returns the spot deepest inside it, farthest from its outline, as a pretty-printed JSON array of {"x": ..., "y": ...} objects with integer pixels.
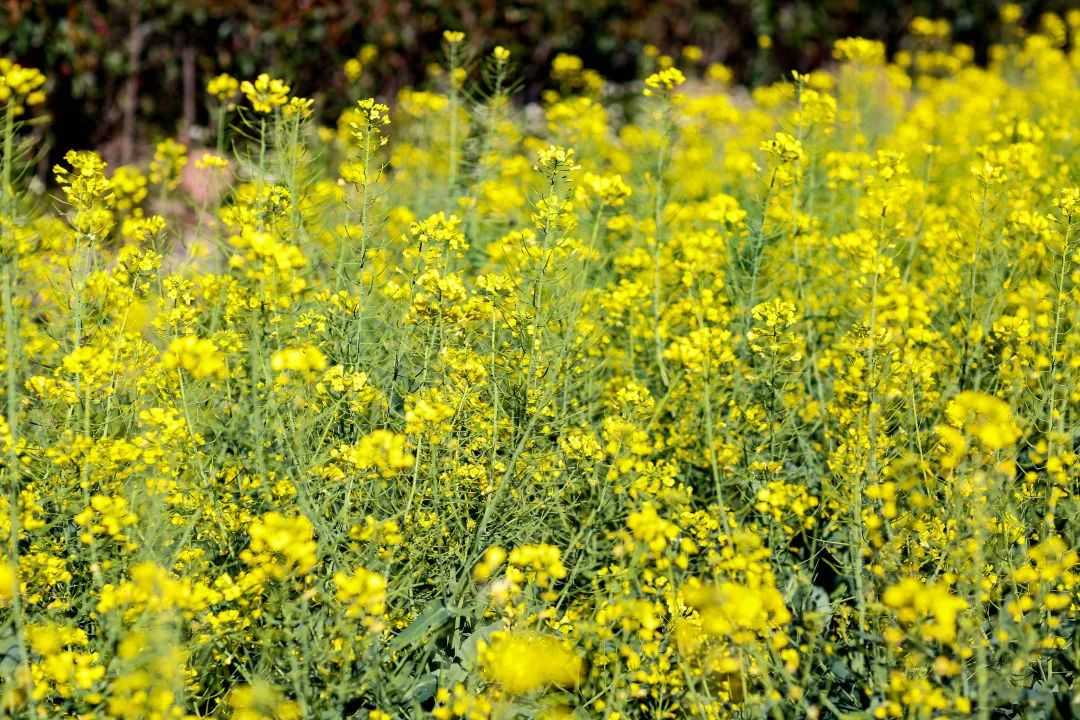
[{"x": 676, "y": 400}]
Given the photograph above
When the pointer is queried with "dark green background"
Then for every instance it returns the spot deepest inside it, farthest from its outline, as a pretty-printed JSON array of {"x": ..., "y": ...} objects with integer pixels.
[{"x": 85, "y": 47}]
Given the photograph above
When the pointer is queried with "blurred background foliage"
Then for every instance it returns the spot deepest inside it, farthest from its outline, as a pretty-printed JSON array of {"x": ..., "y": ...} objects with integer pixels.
[{"x": 124, "y": 71}]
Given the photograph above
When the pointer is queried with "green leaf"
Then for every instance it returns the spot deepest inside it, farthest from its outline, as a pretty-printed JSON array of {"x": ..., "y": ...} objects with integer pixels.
[
  {"x": 434, "y": 615},
  {"x": 423, "y": 689}
]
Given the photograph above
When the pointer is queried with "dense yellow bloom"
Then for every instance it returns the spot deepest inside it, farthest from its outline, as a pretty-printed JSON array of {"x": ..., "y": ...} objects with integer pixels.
[
  {"x": 437, "y": 233},
  {"x": 525, "y": 662},
  {"x": 648, "y": 527},
  {"x": 719, "y": 73},
  {"x": 383, "y": 451},
  {"x": 363, "y": 593},
  {"x": 566, "y": 65},
  {"x": 605, "y": 406},
  {"x": 301, "y": 359},
  {"x": 1069, "y": 201},
  {"x": 929, "y": 607},
  {"x": 736, "y": 611},
  {"x": 198, "y": 356},
  {"x": 281, "y": 546},
  {"x": 106, "y": 517},
  {"x": 539, "y": 564},
  {"x": 984, "y": 418},
  {"x": 930, "y": 28},
  {"x": 1051, "y": 563},
  {"x": 151, "y": 589},
  {"x": 57, "y": 667},
  {"x": 129, "y": 187},
  {"x": 779, "y": 498}
]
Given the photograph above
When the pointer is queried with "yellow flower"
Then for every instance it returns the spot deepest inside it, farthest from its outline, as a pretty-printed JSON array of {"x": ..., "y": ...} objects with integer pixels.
[
  {"x": 198, "y": 356},
  {"x": 281, "y": 546},
  {"x": 719, "y": 73},
  {"x": 298, "y": 107},
  {"x": 88, "y": 192},
  {"x": 493, "y": 558},
  {"x": 367, "y": 129},
  {"x": 353, "y": 69},
  {"x": 784, "y": 147},
  {"x": 555, "y": 158},
  {"x": 611, "y": 190},
  {"x": 692, "y": 53},
  {"x": 262, "y": 701},
  {"x": 106, "y": 517},
  {"x": 265, "y": 93},
  {"x": 9, "y": 584},
  {"x": 223, "y": 87},
  {"x": 665, "y": 80},
  {"x": 460, "y": 703},
  {"x": 363, "y": 593},
  {"x": 985, "y": 418},
  {"x": 129, "y": 187},
  {"x": 167, "y": 167},
  {"x": 306, "y": 358},
  {"x": 20, "y": 86},
  {"x": 1010, "y": 13},
  {"x": 565, "y": 66},
  {"x": 928, "y": 606},
  {"x": 1069, "y": 201},
  {"x": 211, "y": 161},
  {"x": 524, "y": 662},
  {"x": 384, "y": 451},
  {"x": 651, "y": 529},
  {"x": 539, "y": 564},
  {"x": 859, "y": 50},
  {"x": 739, "y": 612},
  {"x": 989, "y": 173}
]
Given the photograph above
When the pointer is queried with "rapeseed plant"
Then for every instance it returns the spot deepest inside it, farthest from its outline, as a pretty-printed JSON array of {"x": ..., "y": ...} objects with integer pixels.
[{"x": 684, "y": 406}]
